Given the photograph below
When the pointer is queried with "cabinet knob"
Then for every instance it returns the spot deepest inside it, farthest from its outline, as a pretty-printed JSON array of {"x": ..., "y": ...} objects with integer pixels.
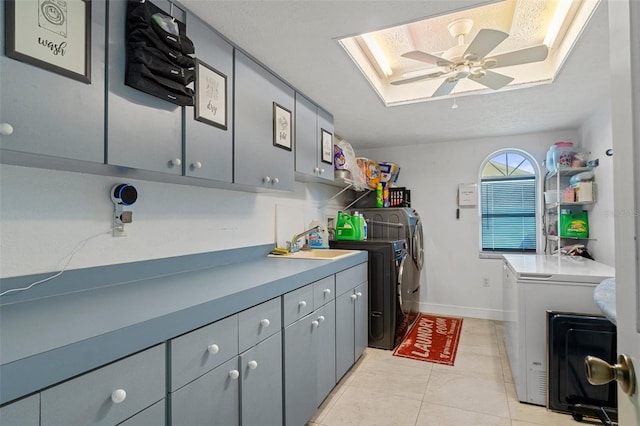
[
  {"x": 321, "y": 171},
  {"x": 213, "y": 349},
  {"x": 354, "y": 297},
  {"x": 266, "y": 179},
  {"x": 327, "y": 291},
  {"x": 321, "y": 318},
  {"x": 302, "y": 304},
  {"x": 359, "y": 294},
  {"x": 196, "y": 165},
  {"x": 234, "y": 374},
  {"x": 265, "y": 322},
  {"x": 175, "y": 162},
  {"x": 6, "y": 129},
  {"x": 316, "y": 170},
  {"x": 253, "y": 364},
  {"x": 315, "y": 323},
  {"x": 275, "y": 180},
  {"x": 118, "y": 395}
]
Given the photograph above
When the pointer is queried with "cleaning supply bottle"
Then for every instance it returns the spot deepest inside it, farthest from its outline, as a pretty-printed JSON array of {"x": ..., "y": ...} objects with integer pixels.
[
  {"x": 379, "y": 196},
  {"x": 357, "y": 225},
  {"x": 318, "y": 239},
  {"x": 385, "y": 195},
  {"x": 365, "y": 228},
  {"x": 344, "y": 227}
]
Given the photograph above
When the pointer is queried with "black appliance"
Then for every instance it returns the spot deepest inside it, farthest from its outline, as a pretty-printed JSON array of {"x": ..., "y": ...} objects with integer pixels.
[
  {"x": 387, "y": 320},
  {"x": 571, "y": 337}
]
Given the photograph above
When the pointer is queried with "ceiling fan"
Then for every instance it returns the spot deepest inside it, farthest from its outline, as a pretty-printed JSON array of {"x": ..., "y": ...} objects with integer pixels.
[{"x": 470, "y": 61}]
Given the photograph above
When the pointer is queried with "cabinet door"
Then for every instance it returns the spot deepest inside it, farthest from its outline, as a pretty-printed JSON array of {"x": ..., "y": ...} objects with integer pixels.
[
  {"x": 345, "y": 333},
  {"x": 326, "y": 350},
  {"x": 325, "y": 121},
  {"x": 306, "y": 136},
  {"x": 25, "y": 412},
  {"x": 52, "y": 114},
  {"x": 361, "y": 310},
  {"x": 209, "y": 149},
  {"x": 212, "y": 399},
  {"x": 261, "y": 387},
  {"x": 154, "y": 415},
  {"x": 258, "y": 162},
  {"x": 143, "y": 131},
  {"x": 300, "y": 349}
]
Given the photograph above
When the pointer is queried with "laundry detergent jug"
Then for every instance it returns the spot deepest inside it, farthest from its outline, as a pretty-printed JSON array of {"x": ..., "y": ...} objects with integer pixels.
[{"x": 344, "y": 227}]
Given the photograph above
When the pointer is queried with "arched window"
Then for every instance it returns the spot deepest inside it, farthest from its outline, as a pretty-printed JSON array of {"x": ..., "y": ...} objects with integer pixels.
[{"x": 508, "y": 200}]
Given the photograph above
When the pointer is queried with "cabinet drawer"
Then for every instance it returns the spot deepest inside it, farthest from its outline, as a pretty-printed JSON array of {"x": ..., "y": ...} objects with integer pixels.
[
  {"x": 88, "y": 399},
  {"x": 297, "y": 304},
  {"x": 324, "y": 291},
  {"x": 153, "y": 415},
  {"x": 258, "y": 323},
  {"x": 202, "y": 350},
  {"x": 349, "y": 278},
  {"x": 25, "y": 412}
]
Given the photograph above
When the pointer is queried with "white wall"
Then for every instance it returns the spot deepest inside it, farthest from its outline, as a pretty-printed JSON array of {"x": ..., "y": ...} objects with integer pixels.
[
  {"x": 452, "y": 280},
  {"x": 595, "y": 134},
  {"x": 45, "y": 214}
]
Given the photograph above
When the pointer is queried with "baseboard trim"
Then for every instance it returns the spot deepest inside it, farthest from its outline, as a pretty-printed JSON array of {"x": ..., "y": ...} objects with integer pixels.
[{"x": 461, "y": 311}]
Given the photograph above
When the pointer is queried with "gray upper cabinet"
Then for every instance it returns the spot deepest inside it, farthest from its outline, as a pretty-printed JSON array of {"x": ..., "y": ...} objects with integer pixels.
[
  {"x": 209, "y": 149},
  {"x": 143, "y": 131},
  {"x": 257, "y": 161},
  {"x": 310, "y": 121},
  {"x": 52, "y": 114}
]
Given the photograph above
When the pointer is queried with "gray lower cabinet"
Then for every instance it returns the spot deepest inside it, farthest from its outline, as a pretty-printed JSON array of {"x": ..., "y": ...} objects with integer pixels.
[
  {"x": 351, "y": 317},
  {"x": 108, "y": 395},
  {"x": 310, "y": 121},
  {"x": 143, "y": 131},
  {"x": 258, "y": 162},
  {"x": 154, "y": 415},
  {"x": 38, "y": 102},
  {"x": 209, "y": 148},
  {"x": 25, "y": 412},
  {"x": 261, "y": 386},
  {"x": 326, "y": 343},
  {"x": 212, "y": 399}
]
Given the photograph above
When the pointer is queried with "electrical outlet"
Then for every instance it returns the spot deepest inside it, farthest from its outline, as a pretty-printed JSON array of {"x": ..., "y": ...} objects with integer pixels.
[{"x": 486, "y": 282}]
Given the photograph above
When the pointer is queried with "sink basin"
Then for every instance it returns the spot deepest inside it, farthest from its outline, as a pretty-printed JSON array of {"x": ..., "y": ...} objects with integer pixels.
[{"x": 319, "y": 254}]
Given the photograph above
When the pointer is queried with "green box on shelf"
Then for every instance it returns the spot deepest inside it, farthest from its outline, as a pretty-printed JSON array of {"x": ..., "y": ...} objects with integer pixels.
[{"x": 575, "y": 225}]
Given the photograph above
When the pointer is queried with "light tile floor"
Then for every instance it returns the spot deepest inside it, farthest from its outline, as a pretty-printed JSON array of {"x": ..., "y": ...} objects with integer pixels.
[{"x": 478, "y": 390}]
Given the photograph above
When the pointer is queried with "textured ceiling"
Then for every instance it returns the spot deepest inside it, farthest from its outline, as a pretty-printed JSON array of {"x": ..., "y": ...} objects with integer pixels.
[{"x": 298, "y": 41}]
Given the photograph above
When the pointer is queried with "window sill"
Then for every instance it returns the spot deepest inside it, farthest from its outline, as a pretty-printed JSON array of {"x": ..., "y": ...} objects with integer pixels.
[{"x": 490, "y": 255}]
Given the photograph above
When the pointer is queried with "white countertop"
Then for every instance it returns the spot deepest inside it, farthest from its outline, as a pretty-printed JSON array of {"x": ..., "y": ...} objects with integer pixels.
[{"x": 561, "y": 268}]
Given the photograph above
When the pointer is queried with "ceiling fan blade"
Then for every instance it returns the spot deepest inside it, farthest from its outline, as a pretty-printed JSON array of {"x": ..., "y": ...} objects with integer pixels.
[
  {"x": 523, "y": 56},
  {"x": 418, "y": 55},
  {"x": 484, "y": 42},
  {"x": 418, "y": 78},
  {"x": 492, "y": 80},
  {"x": 445, "y": 88}
]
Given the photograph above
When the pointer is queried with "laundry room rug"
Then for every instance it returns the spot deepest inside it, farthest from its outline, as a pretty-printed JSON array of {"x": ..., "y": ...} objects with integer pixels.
[{"x": 432, "y": 338}]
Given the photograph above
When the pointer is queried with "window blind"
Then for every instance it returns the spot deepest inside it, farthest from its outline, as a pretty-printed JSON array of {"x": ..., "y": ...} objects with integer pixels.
[{"x": 508, "y": 214}]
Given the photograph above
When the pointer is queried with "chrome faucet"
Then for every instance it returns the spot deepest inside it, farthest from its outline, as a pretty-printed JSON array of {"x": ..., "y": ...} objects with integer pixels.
[{"x": 293, "y": 246}]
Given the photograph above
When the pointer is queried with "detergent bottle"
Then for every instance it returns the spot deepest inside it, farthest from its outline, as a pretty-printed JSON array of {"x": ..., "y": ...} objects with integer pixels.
[
  {"x": 356, "y": 221},
  {"x": 344, "y": 227},
  {"x": 318, "y": 239}
]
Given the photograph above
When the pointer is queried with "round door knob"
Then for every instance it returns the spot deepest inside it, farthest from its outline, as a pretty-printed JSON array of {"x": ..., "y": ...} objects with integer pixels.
[
  {"x": 118, "y": 395},
  {"x": 302, "y": 303},
  {"x": 252, "y": 364},
  {"x": 321, "y": 318},
  {"x": 315, "y": 323},
  {"x": 196, "y": 165},
  {"x": 265, "y": 322},
  {"x": 600, "y": 372},
  {"x": 213, "y": 349},
  {"x": 266, "y": 179},
  {"x": 327, "y": 291},
  {"x": 358, "y": 294},
  {"x": 234, "y": 374},
  {"x": 6, "y": 129},
  {"x": 354, "y": 297},
  {"x": 275, "y": 180}
]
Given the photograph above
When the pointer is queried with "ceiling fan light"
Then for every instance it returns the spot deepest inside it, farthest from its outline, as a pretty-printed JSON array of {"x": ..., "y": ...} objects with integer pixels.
[{"x": 489, "y": 63}]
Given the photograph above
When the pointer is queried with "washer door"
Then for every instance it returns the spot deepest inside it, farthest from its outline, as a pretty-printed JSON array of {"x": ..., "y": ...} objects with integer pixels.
[
  {"x": 402, "y": 286},
  {"x": 417, "y": 251}
]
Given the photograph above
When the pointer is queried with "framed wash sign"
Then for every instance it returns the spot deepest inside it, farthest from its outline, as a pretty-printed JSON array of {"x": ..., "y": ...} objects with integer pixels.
[{"x": 51, "y": 34}]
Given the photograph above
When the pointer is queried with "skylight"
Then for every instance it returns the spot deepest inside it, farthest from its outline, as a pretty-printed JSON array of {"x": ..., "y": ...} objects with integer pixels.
[{"x": 511, "y": 44}]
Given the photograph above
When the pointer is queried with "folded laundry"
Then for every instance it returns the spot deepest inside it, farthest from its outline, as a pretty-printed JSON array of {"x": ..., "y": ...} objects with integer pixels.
[
  {"x": 138, "y": 76},
  {"x": 149, "y": 38},
  {"x": 158, "y": 64},
  {"x": 146, "y": 16}
]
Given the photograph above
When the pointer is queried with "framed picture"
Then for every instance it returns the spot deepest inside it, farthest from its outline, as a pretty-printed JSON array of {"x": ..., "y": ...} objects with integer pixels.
[
  {"x": 281, "y": 127},
  {"x": 51, "y": 34},
  {"x": 211, "y": 96},
  {"x": 326, "y": 146}
]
